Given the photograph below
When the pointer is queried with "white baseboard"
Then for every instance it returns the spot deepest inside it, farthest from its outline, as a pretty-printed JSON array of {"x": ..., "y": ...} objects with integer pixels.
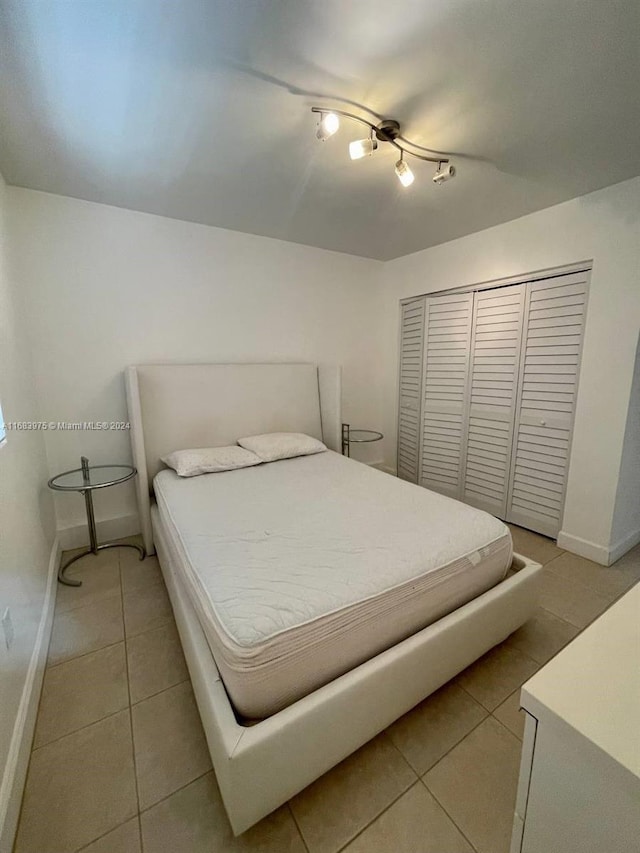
[
  {"x": 605, "y": 555},
  {"x": 623, "y": 545},
  {"x": 15, "y": 771},
  {"x": 109, "y": 528},
  {"x": 584, "y": 548}
]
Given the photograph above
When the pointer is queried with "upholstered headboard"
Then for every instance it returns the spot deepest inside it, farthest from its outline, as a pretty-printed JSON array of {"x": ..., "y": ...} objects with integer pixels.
[{"x": 179, "y": 406}]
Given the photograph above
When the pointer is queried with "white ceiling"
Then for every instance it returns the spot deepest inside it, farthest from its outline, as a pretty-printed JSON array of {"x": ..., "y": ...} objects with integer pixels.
[{"x": 199, "y": 109}]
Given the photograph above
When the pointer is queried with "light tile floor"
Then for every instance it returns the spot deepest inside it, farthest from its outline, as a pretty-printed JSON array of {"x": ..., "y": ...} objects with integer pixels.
[{"x": 120, "y": 763}]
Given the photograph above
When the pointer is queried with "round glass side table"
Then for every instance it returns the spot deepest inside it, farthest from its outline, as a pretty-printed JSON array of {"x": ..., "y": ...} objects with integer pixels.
[
  {"x": 357, "y": 436},
  {"x": 86, "y": 480}
]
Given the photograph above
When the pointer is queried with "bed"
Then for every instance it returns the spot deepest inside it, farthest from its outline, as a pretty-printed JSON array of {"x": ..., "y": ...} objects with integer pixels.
[{"x": 302, "y": 608}]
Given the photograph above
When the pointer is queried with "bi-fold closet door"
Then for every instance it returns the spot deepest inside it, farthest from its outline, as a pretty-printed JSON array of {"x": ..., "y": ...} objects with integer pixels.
[
  {"x": 447, "y": 338},
  {"x": 410, "y": 381},
  {"x": 471, "y": 348},
  {"x": 492, "y": 397},
  {"x": 553, "y": 328},
  {"x": 492, "y": 420}
]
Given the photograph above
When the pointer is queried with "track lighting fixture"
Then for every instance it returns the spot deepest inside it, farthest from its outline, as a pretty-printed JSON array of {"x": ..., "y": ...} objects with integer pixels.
[
  {"x": 329, "y": 124},
  {"x": 387, "y": 130}
]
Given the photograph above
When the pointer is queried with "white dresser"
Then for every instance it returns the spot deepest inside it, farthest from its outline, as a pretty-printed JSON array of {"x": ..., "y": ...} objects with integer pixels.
[{"x": 579, "y": 788}]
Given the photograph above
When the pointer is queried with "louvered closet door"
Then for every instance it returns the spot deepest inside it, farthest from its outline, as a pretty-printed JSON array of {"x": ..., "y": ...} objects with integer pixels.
[
  {"x": 446, "y": 371},
  {"x": 554, "y": 320},
  {"x": 411, "y": 356},
  {"x": 495, "y": 360}
]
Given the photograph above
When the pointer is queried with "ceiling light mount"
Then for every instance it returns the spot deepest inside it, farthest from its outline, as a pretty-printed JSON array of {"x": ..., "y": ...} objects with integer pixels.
[{"x": 387, "y": 130}]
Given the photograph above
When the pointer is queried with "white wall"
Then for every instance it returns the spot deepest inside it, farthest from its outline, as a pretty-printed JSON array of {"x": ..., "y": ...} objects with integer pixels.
[
  {"x": 108, "y": 287},
  {"x": 603, "y": 226},
  {"x": 626, "y": 520},
  {"x": 27, "y": 524}
]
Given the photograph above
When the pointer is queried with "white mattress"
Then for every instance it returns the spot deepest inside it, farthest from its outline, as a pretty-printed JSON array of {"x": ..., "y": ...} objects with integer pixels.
[{"x": 301, "y": 569}]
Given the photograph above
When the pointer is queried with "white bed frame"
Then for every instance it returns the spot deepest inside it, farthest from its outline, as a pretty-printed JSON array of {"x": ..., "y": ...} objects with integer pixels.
[{"x": 261, "y": 766}]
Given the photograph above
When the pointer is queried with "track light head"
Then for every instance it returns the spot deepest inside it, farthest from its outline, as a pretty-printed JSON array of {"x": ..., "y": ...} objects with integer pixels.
[
  {"x": 362, "y": 148},
  {"x": 329, "y": 124},
  {"x": 404, "y": 173},
  {"x": 445, "y": 172}
]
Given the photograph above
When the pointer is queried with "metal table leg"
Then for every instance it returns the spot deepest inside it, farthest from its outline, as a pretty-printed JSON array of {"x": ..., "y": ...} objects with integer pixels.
[
  {"x": 93, "y": 543},
  {"x": 91, "y": 521},
  {"x": 346, "y": 441}
]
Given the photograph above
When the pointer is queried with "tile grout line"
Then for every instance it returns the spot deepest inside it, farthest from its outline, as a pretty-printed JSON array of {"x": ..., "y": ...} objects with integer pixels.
[
  {"x": 107, "y": 594},
  {"x": 158, "y": 692},
  {"x": 112, "y": 713},
  {"x": 33, "y": 750},
  {"x": 62, "y": 613},
  {"x": 46, "y": 669},
  {"x": 397, "y": 748},
  {"x": 164, "y": 624},
  {"x": 288, "y": 803},
  {"x": 463, "y": 834},
  {"x": 580, "y": 586},
  {"x": 420, "y": 778},
  {"x": 84, "y": 655},
  {"x": 457, "y": 743},
  {"x": 505, "y": 726},
  {"x": 385, "y": 809},
  {"x": 131, "y": 707},
  {"x": 464, "y": 690},
  {"x": 181, "y": 788},
  {"x": 378, "y": 816},
  {"x": 518, "y": 687},
  {"x": 579, "y": 583},
  {"x": 442, "y": 757},
  {"x": 433, "y": 794},
  {"x": 133, "y": 746},
  {"x": 104, "y": 834},
  {"x": 561, "y": 618},
  {"x": 109, "y": 645},
  {"x": 542, "y": 664},
  {"x": 297, "y": 825},
  {"x": 583, "y": 584},
  {"x": 513, "y": 692},
  {"x": 393, "y": 801},
  {"x": 80, "y": 729}
]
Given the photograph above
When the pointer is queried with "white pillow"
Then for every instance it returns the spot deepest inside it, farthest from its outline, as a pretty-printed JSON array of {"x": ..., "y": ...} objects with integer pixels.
[
  {"x": 281, "y": 445},
  {"x": 208, "y": 460}
]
